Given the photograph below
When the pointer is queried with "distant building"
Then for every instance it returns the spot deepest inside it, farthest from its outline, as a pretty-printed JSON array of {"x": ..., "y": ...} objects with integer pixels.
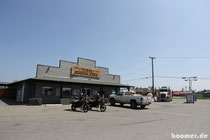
[
  {"x": 143, "y": 91},
  {"x": 207, "y": 94},
  {"x": 179, "y": 93}
]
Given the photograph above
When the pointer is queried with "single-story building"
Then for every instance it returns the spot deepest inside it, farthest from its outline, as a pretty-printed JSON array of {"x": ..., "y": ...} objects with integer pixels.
[
  {"x": 179, "y": 93},
  {"x": 68, "y": 80}
]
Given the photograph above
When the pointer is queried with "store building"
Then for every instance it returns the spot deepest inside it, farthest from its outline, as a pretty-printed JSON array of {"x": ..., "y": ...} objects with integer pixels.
[{"x": 68, "y": 80}]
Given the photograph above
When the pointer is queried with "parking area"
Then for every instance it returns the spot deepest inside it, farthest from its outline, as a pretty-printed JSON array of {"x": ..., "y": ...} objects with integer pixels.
[{"x": 157, "y": 121}]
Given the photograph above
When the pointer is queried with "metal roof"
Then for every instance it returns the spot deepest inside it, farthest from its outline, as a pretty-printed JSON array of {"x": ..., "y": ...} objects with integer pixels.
[
  {"x": 68, "y": 80},
  {"x": 4, "y": 83},
  {"x": 95, "y": 82}
]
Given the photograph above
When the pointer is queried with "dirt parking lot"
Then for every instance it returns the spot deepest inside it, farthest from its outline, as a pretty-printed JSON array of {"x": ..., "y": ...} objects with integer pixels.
[{"x": 157, "y": 121}]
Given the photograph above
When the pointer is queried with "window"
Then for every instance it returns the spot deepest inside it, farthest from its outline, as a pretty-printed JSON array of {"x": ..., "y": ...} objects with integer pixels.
[
  {"x": 88, "y": 92},
  {"x": 113, "y": 92},
  {"x": 163, "y": 90},
  {"x": 66, "y": 93},
  {"x": 94, "y": 93},
  {"x": 57, "y": 92},
  {"x": 120, "y": 94},
  {"x": 47, "y": 91},
  {"x": 76, "y": 92}
]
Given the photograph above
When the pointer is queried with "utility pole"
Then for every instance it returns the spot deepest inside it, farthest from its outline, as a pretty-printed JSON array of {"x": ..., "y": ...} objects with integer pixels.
[
  {"x": 153, "y": 80},
  {"x": 190, "y": 79}
]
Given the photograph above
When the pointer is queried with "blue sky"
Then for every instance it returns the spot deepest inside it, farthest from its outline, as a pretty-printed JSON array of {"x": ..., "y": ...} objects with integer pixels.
[{"x": 118, "y": 34}]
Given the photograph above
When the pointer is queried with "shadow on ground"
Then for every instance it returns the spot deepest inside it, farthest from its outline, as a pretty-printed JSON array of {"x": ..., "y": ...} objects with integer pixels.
[
  {"x": 10, "y": 101},
  {"x": 95, "y": 110},
  {"x": 77, "y": 110},
  {"x": 128, "y": 107}
]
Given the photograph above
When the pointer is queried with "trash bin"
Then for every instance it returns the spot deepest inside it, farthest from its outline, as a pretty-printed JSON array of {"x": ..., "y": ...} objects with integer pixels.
[{"x": 190, "y": 98}]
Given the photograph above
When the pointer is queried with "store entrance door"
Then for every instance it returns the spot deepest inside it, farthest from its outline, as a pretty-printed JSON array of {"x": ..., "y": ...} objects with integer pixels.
[{"x": 86, "y": 91}]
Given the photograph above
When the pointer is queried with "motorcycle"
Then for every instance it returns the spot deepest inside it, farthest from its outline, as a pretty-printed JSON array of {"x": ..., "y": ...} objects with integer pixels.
[
  {"x": 97, "y": 103},
  {"x": 80, "y": 102}
]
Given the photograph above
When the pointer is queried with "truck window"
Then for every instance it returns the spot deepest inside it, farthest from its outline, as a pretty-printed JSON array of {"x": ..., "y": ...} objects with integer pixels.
[
  {"x": 120, "y": 94},
  {"x": 163, "y": 90}
]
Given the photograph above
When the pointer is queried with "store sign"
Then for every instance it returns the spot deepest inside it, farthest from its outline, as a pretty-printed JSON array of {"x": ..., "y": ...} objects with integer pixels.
[{"x": 85, "y": 72}]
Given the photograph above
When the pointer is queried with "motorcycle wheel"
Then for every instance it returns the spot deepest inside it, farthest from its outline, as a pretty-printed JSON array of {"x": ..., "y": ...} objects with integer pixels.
[
  {"x": 73, "y": 107},
  {"x": 103, "y": 107},
  {"x": 90, "y": 107},
  {"x": 85, "y": 108}
]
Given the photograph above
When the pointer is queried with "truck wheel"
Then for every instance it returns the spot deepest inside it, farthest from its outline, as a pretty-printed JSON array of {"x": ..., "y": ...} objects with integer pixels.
[
  {"x": 143, "y": 106},
  {"x": 133, "y": 104},
  {"x": 112, "y": 102}
]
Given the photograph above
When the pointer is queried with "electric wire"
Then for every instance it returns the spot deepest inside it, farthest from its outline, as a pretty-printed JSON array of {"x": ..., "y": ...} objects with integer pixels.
[
  {"x": 183, "y": 57},
  {"x": 167, "y": 77},
  {"x": 143, "y": 78}
]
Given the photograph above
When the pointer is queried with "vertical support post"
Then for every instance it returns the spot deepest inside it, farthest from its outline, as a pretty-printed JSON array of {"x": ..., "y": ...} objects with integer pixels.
[
  {"x": 153, "y": 77},
  {"x": 61, "y": 90}
]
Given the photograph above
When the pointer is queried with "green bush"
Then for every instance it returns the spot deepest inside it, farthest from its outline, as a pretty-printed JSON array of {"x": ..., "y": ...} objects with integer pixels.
[{"x": 35, "y": 101}]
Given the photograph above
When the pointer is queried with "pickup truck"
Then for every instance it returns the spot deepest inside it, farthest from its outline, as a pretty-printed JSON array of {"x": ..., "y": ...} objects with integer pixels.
[{"x": 133, "y": 99}]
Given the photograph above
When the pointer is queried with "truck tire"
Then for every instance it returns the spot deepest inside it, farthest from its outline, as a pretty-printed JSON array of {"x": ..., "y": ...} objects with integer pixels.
[
  {"x": 143, "y": 106},
  {"x": 112, "y": 102},
  {"x": 133, "y": 104}
]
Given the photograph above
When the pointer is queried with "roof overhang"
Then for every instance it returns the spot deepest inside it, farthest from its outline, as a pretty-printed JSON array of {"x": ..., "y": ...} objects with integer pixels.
[
  {"x": 4, "y": 84},
  {"x": 75, "y": 81}
]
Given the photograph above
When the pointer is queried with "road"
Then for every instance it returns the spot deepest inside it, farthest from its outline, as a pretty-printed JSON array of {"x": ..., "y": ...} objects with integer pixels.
[{"x": 157, "y": 121}]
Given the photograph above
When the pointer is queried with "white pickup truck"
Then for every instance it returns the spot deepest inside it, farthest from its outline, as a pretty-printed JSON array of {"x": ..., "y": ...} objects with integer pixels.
[{"x": 130, "y": 98}]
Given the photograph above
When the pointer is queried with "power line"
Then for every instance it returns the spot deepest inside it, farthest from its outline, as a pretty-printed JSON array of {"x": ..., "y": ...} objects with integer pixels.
[
  {"x": 170, "y": 77},
  {"x": 138, "y": 70},
  {"x": 143, "y": 78},
  {"x": 183, "y": 57},
  {"x": 167, "y": 77},
  {"x": 175, "y": 77}
]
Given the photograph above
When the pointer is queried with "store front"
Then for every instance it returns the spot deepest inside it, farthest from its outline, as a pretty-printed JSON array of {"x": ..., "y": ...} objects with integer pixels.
[{"x": 69, "y": 80}]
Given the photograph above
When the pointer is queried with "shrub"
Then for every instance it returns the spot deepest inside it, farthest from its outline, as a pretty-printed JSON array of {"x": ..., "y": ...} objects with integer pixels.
[{"x": 35, "y": 101}]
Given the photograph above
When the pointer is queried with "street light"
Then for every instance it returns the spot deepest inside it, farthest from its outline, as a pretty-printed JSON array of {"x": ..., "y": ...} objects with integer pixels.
[{"x": 190, "y": 79}]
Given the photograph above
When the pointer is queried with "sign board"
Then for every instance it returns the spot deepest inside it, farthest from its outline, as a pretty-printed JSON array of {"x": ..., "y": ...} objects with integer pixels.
[{"x": 85, "y": 72}]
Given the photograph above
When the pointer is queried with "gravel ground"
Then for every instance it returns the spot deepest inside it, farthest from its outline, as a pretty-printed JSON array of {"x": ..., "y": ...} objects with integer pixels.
[{"x": 157, "y": 121}]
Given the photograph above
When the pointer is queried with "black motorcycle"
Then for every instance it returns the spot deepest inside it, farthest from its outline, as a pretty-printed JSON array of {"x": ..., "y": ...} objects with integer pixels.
[
  {"x": 98, "y": 103},
  {"x": 80, "y": 102}
]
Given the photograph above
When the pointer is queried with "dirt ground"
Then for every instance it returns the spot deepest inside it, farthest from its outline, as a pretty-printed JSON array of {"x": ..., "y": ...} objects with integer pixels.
[{"x": 157, "y": 121}]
